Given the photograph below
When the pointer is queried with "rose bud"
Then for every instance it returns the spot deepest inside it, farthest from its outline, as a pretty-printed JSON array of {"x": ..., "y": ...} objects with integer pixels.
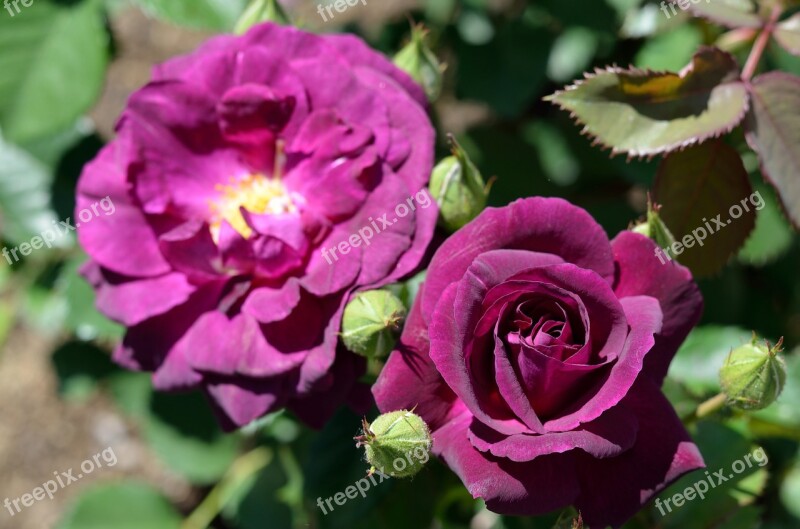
[
  {"x": 371, "y": 320},
  {"x": 655, "y": 229},
  {"x": 753, "y": 375},
  {"x": 417, "y": 59},
  {"x": 458, "y": 188},
  {"x": 261, "y": 11},
  {"x": 397, "y": 443}
]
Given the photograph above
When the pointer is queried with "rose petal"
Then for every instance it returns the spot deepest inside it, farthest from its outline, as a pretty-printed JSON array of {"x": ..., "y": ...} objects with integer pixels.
[
  {"x": 546, "y": 225},
  {"x": 614, "y": 489},
  {"x": 641, "y": 273}
]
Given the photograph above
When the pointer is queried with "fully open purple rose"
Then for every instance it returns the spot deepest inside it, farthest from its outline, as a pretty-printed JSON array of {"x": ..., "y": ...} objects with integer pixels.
[
  {"x": 232, "y": 171},
  {"x": 536, "y": 350}
]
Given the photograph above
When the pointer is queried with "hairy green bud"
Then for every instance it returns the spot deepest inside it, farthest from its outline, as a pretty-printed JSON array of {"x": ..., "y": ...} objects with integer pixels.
[
  {"x": 418, "y": 61},
  {"x": 397, "y": 444},
  {"x": 655, "y": 229},
  {"x": 458, "y": 189},
  {"x": 753, "y": 375},
  {"x": 370, "y": 322}
]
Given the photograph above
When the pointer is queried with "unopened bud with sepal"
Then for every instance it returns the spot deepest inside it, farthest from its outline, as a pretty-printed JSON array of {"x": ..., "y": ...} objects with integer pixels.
[
  {"x": 259, "y": 11},
  {"x": 458, "y": 189},
  {"x": 753, "y": 375},
  {"x": 397, "y": 443},
  {"x": 371, "y": 321},
  {"x": 655, "y": 229},
  {"x": 418, "y": 61}
]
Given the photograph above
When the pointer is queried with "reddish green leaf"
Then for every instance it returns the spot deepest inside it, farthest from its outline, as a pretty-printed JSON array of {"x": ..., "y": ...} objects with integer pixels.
[
  {"x": 773, "y": 131},
  {"x": 707, "y": 203},
  {"x": 643, "y": 113},
  {"x": 787, "y": 33},
  {"x": 730, "y": 13}
]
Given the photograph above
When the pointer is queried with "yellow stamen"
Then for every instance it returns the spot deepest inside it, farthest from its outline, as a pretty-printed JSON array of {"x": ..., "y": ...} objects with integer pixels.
[{"x": 255, "y": 193}]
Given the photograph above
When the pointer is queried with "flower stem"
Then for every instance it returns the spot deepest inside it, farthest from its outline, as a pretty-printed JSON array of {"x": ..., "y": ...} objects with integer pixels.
[
  {"x": 707, "y": 408},
  {"x": 760, "y": 46},
  {"x": 241, "y": 470}
]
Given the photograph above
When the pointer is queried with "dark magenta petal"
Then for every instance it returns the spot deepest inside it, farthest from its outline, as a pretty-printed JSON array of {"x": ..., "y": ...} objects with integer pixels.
[
  {"x": 235, "y": 346},
  {"x": 614, "y": 489},
  {"x": 147, "y": 345},
  {"x": 107, "y": 237},
  {"x": 190, "y": 250},
  {"x": 447, "y": 350},
  {"x": 253, "y": 113},
  {"x": 240, "y": 401},
  {"x": 357, "y": 53},
  {"x": 641, "y": 273},
  {"x": 609, "y": 435},
  {"x": 268, "y": 305},
  {"x": 549, "y": 385},
  {"x": 530, "y": 488},
  {"x": 423, "y": 388},
  {"x": 644, "y": 320},
  {"x": 603, "y": 315},
  {"x": 132, "y": 302},
  {"x": 317, "y": 408},
  {"x": 545, "y": 225}
]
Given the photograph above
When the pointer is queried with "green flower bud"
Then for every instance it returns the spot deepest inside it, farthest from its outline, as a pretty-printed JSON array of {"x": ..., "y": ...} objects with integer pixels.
[
  {"x": 397, "y": 444},
  {"x": 753, "y": 375},
  {"x": 417, "y": 59},
  {"x": 458, "y": 189},
  {"x": 371, "y": 320},
  {"x": 655, "y": 228},
  {"x": 261, "y": 11}
]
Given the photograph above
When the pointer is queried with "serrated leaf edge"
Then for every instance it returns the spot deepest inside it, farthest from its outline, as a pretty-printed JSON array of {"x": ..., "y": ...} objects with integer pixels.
[{"x": 632, "y": 70}]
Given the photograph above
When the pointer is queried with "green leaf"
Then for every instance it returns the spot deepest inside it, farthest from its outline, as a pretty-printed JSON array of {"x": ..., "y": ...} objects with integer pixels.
[
  {"x": 209, "y": 14},
  {"x": 258, "y": 500},
  {"x": 707, "y": 203},
  {"x": 788, "y": 34},
  {"x": 53, "y": 64},
  {"x": 123, "y": 506},
  {"x": 507, "y": 72},
  {"x": 186, "y": 436},
  {"x": 80, "y": 366},
  {"x": 772, "y": 236},
  {"x": 790, "y": 490},
  {"x": 572, "y": 53},
  {"x": 83, "y": 318},
  {"x": 773, "y": 131},
  {"x": 697, "y": 363},
  {"x": 726, "y": 503},
  {"x": 24, "y": 196},
  {"x": 643, "y": 113},
  {"x": 670, "y": 51},
  {"x": 730, "y": 13}
]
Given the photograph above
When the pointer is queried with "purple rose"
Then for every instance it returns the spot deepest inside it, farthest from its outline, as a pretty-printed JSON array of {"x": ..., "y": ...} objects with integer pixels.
[
  {"x": 536, "y": 350},
  {"x": 240, "y": 176}
]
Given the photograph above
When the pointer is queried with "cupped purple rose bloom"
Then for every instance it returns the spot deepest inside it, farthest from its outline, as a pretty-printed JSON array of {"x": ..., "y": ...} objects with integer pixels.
[
  {"x": 536, "y": 350},
  {"x": 241, "y": 175}
]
